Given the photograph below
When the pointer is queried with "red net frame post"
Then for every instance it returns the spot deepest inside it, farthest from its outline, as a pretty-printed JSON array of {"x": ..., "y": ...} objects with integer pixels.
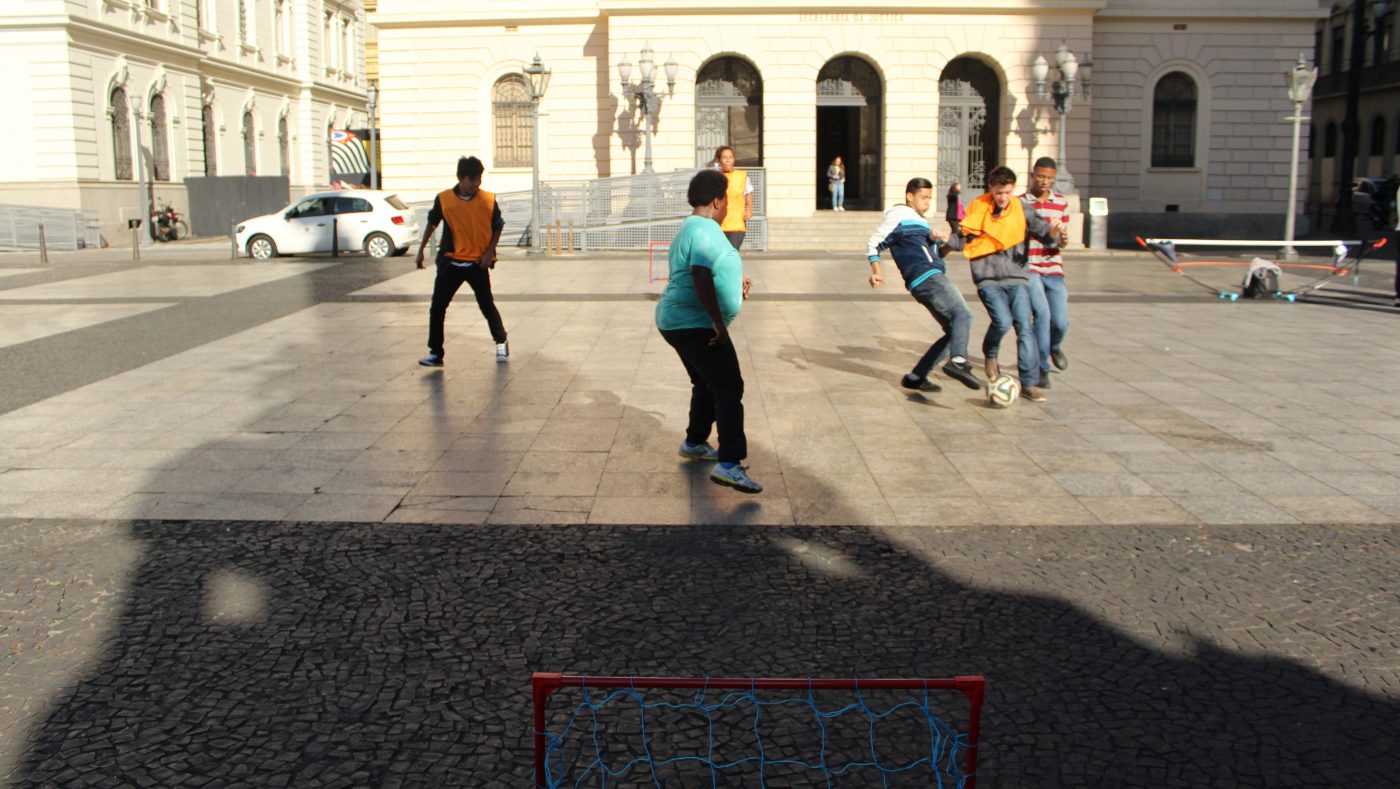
[
  {"x": 542, "y": 685},
  {"x": 651, "y": 261}
]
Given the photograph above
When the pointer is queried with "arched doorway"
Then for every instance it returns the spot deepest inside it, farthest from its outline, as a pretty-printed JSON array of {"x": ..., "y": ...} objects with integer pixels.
[
  {"x": 850, "y": 118},
  {"x": 969, "y": 118},
  {"x": 729, "y": 111}
]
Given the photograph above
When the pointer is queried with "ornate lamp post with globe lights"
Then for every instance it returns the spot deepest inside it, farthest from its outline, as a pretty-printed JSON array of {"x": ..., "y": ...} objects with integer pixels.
[
  {"x": 538, "y": 77},
  {"x": 1062, "y": 90},
  {"x": 645, "y": 92},
  {"x": 1300, "y": 81}
]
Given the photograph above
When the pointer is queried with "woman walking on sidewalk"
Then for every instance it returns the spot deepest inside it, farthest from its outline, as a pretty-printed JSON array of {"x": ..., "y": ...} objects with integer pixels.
[{"x": 836, "y": 184}]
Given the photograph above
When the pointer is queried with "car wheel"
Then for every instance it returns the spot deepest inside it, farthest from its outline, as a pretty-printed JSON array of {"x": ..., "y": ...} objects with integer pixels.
[
  {"x": 379, "y": 245},
  {"x": 262, "y": 248}
]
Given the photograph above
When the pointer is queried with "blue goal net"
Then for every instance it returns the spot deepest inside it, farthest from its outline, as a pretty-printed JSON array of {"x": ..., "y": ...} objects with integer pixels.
[{"x": 723, "y": 732}]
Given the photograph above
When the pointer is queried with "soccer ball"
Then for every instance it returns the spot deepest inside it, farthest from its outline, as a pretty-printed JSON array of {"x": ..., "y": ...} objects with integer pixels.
[{"x": 1003, "y": 391}]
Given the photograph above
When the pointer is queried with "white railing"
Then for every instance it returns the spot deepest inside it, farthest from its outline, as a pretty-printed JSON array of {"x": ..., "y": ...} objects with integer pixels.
[{"x": 63, "y": 228}]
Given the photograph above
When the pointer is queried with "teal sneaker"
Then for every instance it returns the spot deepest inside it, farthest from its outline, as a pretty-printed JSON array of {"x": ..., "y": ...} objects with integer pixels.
[
  {"x": 735, "y": 477},
  {"x": 701, "y": 451}
]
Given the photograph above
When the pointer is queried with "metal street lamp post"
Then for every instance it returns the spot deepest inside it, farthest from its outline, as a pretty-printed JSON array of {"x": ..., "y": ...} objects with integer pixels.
[
  {"x": 645, "y": 92},
  {"x": 373, "y": 137},
  {"x": 1300, "y": 81},
  {"x": 538, "y": 77},
  {"x": 1062, "y": 90},
  {"x": 143, "y": 199}
]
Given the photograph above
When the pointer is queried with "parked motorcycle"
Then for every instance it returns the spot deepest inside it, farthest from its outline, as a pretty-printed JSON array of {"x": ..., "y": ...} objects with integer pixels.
[{"x": 166, "y": 224}]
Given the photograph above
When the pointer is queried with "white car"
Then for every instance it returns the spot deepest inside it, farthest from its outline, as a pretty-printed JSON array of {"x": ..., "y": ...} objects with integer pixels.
[{"x": 378, "y": 223}]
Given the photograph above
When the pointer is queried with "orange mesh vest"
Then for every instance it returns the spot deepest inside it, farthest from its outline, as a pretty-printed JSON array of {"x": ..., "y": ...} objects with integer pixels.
[{"x": 470, "y": 221}]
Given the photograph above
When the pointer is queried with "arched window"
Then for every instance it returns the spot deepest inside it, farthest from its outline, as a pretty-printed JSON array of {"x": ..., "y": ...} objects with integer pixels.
[
  {"x": 1329, "y": 141},
  {"x": 1174, "y": 121},
  {"x": 211, "y": 144},
  {"x": 250, "y": 145},
  {"x": 121, "y": 135},
  {"x": 160, "y": 139},
  {"x": 283, "y": 147},
  {"x": 1377, "y": 136},
  {"x": 729, "y": 111},
  {"x": 510, "y": 115}
]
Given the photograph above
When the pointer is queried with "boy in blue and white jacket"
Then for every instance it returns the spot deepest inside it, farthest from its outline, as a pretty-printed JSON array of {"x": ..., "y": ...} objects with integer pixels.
[{"x": 915, "y": 248}]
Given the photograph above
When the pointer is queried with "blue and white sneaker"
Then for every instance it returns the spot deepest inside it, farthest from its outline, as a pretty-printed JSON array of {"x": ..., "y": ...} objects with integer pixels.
[
  {"x": 701, "y": 451},
  {"x": 735, "y": 477},
  {"x": 503, "y": 351},
  {"x": 431, "y": 360}
]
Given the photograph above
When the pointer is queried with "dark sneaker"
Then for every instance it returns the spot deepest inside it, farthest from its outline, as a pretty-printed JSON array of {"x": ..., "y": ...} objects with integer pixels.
[
  {"x": 962, "y": 371},
  {"x": 1033, "y": 394},
  {"x": 911, "y": 381},
  {"x": 431, "y": 360},
  {"x": 1059, "y": 359},
  {"x": 735, "y": 477},
  {"x": 1044, "y": 379},
  {"x": 701, "y": 451}
]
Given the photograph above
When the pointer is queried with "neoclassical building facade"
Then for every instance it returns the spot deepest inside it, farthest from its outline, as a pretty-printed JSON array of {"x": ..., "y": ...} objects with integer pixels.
[
  {"x": 1182, "y": 119},
  {"x": 201, "y": 87}
]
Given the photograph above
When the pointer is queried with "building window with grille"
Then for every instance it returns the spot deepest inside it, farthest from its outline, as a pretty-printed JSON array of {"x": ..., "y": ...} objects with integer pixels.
[
  {"x": 1329, "y": 141},
  {"x": 211, "y": 144},
  {"x": 1174, "y": 121},
  {"x": 513, "y": 122},
  {"x": 160, "y": 139},
  {"x": 1378, "y": 136},
  {"x": 250, "y": 145},
  {"x": 1338, "y": 50},
  {"x": 283, "y": 145},
  {"x": 121, "y": 135}
]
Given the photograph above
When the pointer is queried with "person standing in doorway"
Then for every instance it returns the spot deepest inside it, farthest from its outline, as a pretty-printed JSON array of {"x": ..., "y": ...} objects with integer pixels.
[
  {"x": 740, "y": 193},
  {"x": 472, "y": 225},
  {"x": 836, "y": 183},
  {"x": 703, "y": 295},
  {"x": 956, "y": 209},
  {"x": 1049, "y": 296},
  {"x": 994, "y": 238}
]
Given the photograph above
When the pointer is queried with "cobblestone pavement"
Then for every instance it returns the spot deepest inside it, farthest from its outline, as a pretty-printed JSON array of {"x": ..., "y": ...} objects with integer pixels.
[{"x": 286, "y": 654}]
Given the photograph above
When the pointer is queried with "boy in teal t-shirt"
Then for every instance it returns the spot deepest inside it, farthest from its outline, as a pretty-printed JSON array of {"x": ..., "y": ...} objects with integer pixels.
[{"x": 703, "y": 294}]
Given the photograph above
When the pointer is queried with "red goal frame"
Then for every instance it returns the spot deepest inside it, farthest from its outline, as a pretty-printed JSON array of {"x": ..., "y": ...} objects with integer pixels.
[{"x": 973, "y": 687}]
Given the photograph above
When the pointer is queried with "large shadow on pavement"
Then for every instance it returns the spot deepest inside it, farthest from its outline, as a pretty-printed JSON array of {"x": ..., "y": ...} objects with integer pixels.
[{"x": 392, "y": 655}]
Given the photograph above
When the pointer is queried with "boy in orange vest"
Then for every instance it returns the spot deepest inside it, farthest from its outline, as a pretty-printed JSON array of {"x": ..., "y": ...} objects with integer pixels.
[
  {"x": 994, "y": 237},
  {"x": 472, "y": 226}
]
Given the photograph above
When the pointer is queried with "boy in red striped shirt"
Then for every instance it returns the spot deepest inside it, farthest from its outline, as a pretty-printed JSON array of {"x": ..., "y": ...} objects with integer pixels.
[{"x": 1049, "y": 297}]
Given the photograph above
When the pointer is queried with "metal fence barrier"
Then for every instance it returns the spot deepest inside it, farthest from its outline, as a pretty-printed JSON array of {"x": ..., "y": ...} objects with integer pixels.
[
  {"x": 626, "y": 212},
  {"x": 63, "y": 228}
]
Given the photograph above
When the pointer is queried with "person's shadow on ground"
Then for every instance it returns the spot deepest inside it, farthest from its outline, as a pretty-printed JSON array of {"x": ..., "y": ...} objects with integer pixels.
[{"x": 300, "y": 654}]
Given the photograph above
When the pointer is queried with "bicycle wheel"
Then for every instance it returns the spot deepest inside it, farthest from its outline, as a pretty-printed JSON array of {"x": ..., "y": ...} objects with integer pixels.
[{"x": 179, "y": 230}]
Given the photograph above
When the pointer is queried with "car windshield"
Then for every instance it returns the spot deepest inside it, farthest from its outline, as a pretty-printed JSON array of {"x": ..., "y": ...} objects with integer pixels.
[{"x": 394, "y": 201}]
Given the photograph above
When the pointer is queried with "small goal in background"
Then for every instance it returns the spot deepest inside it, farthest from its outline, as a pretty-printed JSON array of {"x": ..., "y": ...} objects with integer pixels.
[
  {"x": 760, "y": 732},
  {"x": 658, "y": 268}
]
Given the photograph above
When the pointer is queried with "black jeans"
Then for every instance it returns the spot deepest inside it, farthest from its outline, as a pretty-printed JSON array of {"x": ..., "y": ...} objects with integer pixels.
[
  {"x": 736, "y": 237},
  {"x": 716, "y": 391},
  {"x": 449, "y": 279}
]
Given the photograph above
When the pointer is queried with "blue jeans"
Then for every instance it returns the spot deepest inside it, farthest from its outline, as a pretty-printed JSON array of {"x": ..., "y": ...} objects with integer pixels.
[
  {"x": 941, "y": 298},
  {"x": 1009, "y": 305},
  {"x": 838, "y": 193},
  {"x": 1050, "y": 309}
]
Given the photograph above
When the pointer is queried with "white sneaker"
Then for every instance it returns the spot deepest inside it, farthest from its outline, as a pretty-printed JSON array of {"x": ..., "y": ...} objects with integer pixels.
[
  {"x": 701, "y": 451},
  {"x": 503, "y": 351},
  {"x": 735, "y": 478}
]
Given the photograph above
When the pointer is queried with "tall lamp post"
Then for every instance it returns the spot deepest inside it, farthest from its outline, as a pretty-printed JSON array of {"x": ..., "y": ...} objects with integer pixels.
[
  {"x": 645, "y": 92},
  {"x": 1343, "y": 221},
  {"x": 1300, "y": 81},
  {"x": 538, "y": 77},
  {"x": 373, "y": 136},
  {"x": 144, "y": 197},
  {"x": 1062, "y": 90}
]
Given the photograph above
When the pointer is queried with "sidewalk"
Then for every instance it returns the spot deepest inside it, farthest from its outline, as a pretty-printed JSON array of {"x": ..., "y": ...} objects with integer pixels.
[{"x": 1176, "y": 409}]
